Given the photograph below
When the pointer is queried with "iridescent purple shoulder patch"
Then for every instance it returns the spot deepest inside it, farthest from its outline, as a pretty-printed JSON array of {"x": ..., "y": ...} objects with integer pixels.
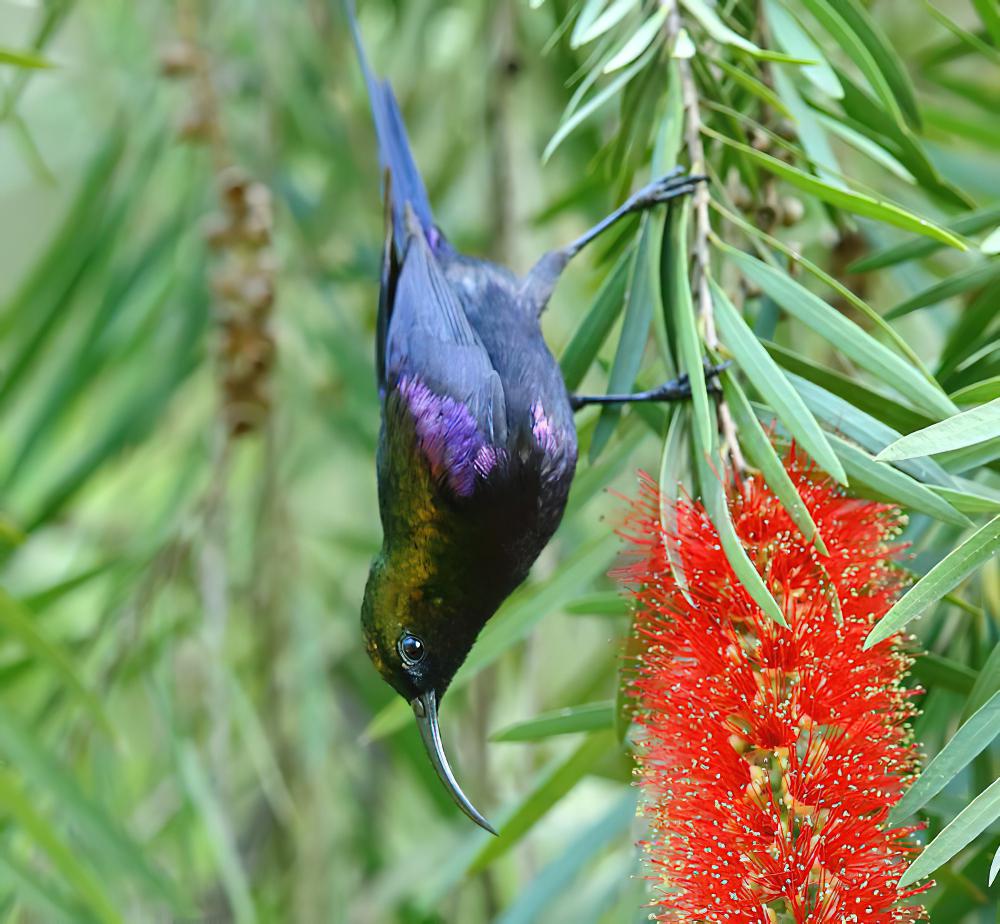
[
  {"x": 449, "y": 437},
  {"x": 542, "y": 430}
]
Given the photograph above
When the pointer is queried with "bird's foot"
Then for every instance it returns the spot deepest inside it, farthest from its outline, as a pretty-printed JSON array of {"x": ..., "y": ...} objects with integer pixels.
[
  {"x": 672, "y": 185},
  {"x": 680, "y": 388}
]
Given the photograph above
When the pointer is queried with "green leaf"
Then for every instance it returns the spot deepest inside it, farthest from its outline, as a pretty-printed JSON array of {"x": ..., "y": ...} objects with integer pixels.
[
  {"x": 797, "y": 42},
  {"x": 902, "y": 347},
  {"x": 607, "y": 20},
  {"x": 882, "y": 52},
  {"x": 966, "y": 429},
  {"x": 716, "y": 28},
  {"x": 869, "y": 148},
  {"x": 990, "y": 15},
  {"x": 869, "y": 433},
  {"x": 847, "y": 336},
  {"x": 917, "y": 249},
  {"x": 716, "y": 505},
  {"x": 592, "y": 10},
  {"x": 972, "y": 277},
  {"x": 811, "y": 134},
  {"x": 16, "y": 620},
  {"x": 878, "y": 404},
  {"x": 234, "y": 879},
  {"x": 28, "y": 59},
  {"x": 760, "y": 451},
  {"x": 991, "y": 243},
  {"x": 554, "y": 881},
  {"x": 858, "y": 203},
  {"x": 585, "y": 718},
  {"x": 970, "y": 499},
  {"x": 768, "y": 379},
  {"x": 978, "y": 392},
  {"x": 945, "y": 576},
  {"x": 640, "y": 40},
  {"x": 986, "y": 685},
  {"x": 590, "y": 335},
  {"x": 686, "y": 327},
  {"x": 936, "y": 671},
  {"x": 966, "y": 827},
  {"x": 599, "y": 99},
  {"x": 15, "y": 800},
  {"x": 892, "y": 484},
  {"x": 22, "y": 749},
  {"x": 671, "y": 463},
  {"x": 752, "y": 85},
  {"x": 856, "y": 35},
  {"x": 607, "y": 603},
  {"x": 553, "y": 786},
  {"x": 969, "y": 741},
  {"x": 643, "y": 292}
]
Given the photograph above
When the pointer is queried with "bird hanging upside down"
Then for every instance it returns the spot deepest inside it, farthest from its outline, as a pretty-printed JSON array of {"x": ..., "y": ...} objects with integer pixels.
[{"x": 478, "y": 445}]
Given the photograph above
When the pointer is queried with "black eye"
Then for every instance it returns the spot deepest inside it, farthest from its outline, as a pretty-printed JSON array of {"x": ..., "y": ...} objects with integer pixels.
[{"x": 412, "y": 649}]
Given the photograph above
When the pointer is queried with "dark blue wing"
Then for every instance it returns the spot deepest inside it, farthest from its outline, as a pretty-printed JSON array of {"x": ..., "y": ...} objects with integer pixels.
[{"x": 395, "y": 157}]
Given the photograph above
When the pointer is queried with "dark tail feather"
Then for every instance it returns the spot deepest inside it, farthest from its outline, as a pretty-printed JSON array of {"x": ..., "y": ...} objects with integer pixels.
[{"x": 405, "y": 183}]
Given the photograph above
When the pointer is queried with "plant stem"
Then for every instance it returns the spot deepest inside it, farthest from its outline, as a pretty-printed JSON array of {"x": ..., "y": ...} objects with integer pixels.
[{"x": 702, "y": 222}]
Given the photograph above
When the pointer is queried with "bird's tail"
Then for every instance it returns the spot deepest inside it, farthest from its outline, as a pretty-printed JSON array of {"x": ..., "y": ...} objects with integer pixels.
[{"x": 405, "y": 184}]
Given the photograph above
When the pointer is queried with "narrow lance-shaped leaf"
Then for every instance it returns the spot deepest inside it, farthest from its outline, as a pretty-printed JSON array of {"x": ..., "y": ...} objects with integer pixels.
[
  {"x": 16, "y": 620},
  {"x": 635, "y": 330},
  {"x": 972, "y": 277},
  {"x": 895, "y": 485},
  {"x": 977, "y": 816},
  {"x": 839, "y": 330},
  {"x": 797, "y": 42},
  {"x": 600, "y": 98},
  {"x": 969, "y": 741},
  {"x": 966, "y": 429},
  {"x": 688, "y": 341},
  {"x": 19, "y": 805},
  {"x": 881, "y": 479},
  {"x": 943, "y": 577},
  {"x": 844, "y": 25},
  {"x": 862, "y": 428},
  {"x": 714, "y": 497},
  {"x": 588, "y": 717},
  {"x": 882, "y": 52},
  {"x": 768, "y": 379},
  {"x": 758, "y": 447},
  {"x": 590, "y": 335},
  {"x": 671, "y": 460},
  {"x": 553, "y": 786},
  {"x": 640, "y": 40},
  {"x": 28, "y": 59},
  {"x": 610, "y": 18},
  {"x": 858, "y": 203},
  {"x": 918, "y": 248},
  {"x": 715, "y": 27}
]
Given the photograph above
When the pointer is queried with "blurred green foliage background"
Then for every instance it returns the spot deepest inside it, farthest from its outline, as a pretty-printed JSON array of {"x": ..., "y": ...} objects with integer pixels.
[{"x": 189, "y": 726}]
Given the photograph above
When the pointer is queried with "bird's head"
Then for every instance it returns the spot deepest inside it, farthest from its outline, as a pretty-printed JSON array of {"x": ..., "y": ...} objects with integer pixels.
[{"x": 417, "y": 638}]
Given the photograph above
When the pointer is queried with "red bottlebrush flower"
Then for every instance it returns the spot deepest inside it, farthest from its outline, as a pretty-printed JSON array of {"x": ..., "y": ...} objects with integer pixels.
[{"x": 771, "y": 756}]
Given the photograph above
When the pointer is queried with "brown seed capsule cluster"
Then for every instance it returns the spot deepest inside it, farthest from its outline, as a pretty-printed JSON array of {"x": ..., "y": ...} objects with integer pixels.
[
  {"x": 239, "y": 233},
  {"x": 243, "y": 283}
]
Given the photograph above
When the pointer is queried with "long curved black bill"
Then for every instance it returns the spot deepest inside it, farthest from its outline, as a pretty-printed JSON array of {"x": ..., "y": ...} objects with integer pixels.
[{"x": 425, "y": 709}]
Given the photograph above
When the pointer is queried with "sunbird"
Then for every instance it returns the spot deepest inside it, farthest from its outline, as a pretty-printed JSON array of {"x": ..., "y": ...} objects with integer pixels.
[{"x": 478, "y": 447}]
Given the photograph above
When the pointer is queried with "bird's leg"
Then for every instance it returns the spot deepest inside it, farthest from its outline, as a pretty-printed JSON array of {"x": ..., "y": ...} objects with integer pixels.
[
  {"x": 542, "y": 279},
  {"x": 678, "y": 389}
]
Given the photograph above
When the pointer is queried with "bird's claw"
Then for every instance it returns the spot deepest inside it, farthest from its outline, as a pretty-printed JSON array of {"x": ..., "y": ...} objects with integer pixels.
[
  {"x": 712, "y": 372},
  {"x": 669, "y": 186}
]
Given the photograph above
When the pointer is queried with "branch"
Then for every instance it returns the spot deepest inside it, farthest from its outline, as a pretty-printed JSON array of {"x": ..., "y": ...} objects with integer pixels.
[{"x": 702, "y": 222}]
